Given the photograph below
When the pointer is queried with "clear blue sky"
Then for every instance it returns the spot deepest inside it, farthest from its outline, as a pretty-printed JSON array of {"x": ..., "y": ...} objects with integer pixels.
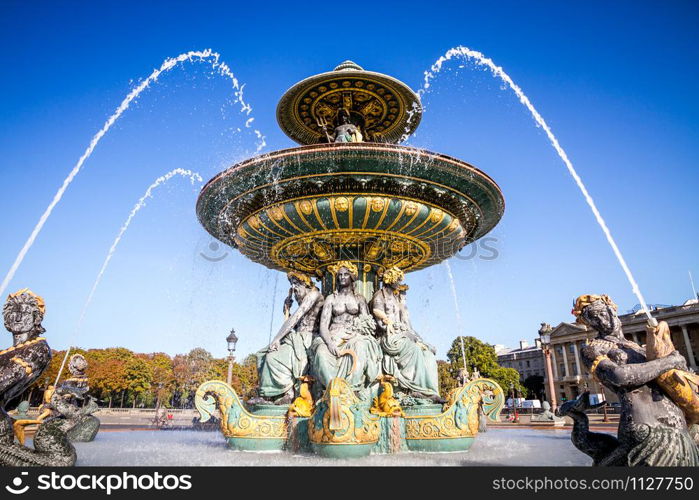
[{"x": 615, "y": 80}]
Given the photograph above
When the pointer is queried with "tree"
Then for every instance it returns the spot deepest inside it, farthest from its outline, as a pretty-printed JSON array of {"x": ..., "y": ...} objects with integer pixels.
[
  {"x": 535, "y": 386},
  {"x": 482, "y": 357},
  {"x": 446, "y": 381},
  {"x": 138, "y": 376}
]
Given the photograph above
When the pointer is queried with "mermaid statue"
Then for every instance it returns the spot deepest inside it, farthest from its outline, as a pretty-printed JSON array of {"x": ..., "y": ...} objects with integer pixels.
[
  {"x": 406, "y": 357},
  {"x": 652, "y": 427},
  {"x": 345, "y": 346},
  {"x": 283, "y": 363},
  {"x": 20, "y": 366}
]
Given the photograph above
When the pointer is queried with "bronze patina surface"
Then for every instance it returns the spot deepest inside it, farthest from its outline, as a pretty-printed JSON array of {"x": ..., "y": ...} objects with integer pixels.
[
  {"x": 385, "y": 109},
  {"x": 375, "y": 204}
]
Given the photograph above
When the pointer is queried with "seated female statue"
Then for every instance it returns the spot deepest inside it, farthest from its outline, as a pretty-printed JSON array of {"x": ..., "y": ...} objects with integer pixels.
[
  {"x": 281, "y": 365},
  {"x": 406, "y": 356},
  {"x": 345, "y": 346}
]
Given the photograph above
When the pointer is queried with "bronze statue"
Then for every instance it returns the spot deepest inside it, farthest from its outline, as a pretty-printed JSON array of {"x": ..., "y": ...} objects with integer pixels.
[
  {"x": 346, "y": 131},
  {"x": 72, "y": 406},
  {"x": 406, "y": 357},
  {"x": 652, "y": 428},
  {"x": 345, "y": 346},
  {"x": 285, "y": 361},
  {"x": 20, "y": 366}
]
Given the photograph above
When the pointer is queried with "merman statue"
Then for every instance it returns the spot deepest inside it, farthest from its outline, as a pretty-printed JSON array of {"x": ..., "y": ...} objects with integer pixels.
[
  {"x": 406, "y": 357},
  {"x": 652, "y": 427},
  {"x": 282, "y": 365},
  {"x": 20, "y": 366},
  {"x": 73, "y": 406}
]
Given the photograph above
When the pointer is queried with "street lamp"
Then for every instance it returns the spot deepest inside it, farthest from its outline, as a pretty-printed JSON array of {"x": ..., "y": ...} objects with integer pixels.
[
  {"x": 515, "y": 415},
  {"x": 545, "y": 336},
  {"x": 232, "y": 340}
]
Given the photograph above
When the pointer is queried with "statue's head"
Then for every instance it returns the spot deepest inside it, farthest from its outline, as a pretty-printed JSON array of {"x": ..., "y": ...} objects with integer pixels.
[
  {"x": 77, "y": 365},
  {"x": 393, "y": 276},
  {"x": 598, "y": 312},
  {"x": 345, "y": 273},
  {"x": 343, "y": 117},
  {"x": 299, "y": 281},
  {"x": 546, "y": 406},
  {"x": 23, "y": 313}
]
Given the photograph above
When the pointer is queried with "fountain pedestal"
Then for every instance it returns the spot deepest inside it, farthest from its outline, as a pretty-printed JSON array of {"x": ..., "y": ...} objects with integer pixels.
[{"x": 342, "y": 426}]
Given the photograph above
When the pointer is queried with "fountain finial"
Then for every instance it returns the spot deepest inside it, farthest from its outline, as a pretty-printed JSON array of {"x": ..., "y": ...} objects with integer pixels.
[
  {"x": 382, "y": 108},
  {"x": 348, "y": 65}
]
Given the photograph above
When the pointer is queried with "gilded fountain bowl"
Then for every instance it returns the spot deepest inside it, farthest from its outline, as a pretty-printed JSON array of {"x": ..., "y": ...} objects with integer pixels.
[{"x": 377, "y": 204}]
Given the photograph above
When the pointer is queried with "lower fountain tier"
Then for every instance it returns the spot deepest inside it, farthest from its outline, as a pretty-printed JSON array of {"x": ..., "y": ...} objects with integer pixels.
[
  {"x": 379, "y": 205},
  {"x": 339, "y": 425}
]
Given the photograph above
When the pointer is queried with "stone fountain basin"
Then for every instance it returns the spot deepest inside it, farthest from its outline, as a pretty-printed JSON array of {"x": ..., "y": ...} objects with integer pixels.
[{"x": 382, "y": 204}]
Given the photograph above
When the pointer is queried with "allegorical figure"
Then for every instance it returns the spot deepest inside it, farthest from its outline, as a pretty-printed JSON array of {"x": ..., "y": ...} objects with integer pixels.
[
  {"x": 345, "y": 346},
  {"x": 71, "y": 404},
  {"x": 20, "y": 366},
  {"x": 281, "y": 365},
  {"x": 406, "y": 357},
  {"x": 346, "y": 131},
  {"x": 652, "y": 428}
]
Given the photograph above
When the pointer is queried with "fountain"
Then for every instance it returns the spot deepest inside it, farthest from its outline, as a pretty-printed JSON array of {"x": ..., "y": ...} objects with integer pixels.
[{"x": 347, "y": 375}]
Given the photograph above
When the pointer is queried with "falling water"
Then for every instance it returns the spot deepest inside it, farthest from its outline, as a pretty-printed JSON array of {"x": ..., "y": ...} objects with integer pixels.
[
  {"x": 193, "y": 177},
  {"x": 168, "y": 64},
  {"x": 497, "y": 71}
]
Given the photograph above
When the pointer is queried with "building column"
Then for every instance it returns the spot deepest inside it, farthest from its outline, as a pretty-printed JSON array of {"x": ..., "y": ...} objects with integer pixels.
[
  {"x": 565, "y": 361},
  {"x": 634, "y": 337},
  {"x": 555, "y": 363},
  {"x": 690, "y": 353},
  {"x": 577, "y": 358}
]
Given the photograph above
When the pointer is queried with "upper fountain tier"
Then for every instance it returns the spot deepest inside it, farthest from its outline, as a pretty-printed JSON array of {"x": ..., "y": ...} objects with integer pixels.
[
  {"x": 349, "y": 192},
  {"x": 383, "y": 108}
]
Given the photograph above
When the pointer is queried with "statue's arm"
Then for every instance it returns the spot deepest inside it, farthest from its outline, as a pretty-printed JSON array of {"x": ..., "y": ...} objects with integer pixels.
[
  {"x": 324, "y": 328},
  {"x": 628, "y": 376},
  {"x": 363, "y": 307},
  {"x": 306, "y": 304},
  {"x": 378, "y": 309},
  {"x": 12, "y": 374}
]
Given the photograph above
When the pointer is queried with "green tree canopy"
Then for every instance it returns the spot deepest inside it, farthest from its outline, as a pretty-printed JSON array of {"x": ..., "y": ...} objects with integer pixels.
[{"x": 482, "y": 357}]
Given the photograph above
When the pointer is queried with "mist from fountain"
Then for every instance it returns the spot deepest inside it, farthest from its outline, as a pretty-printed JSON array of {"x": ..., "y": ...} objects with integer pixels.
[
  {"x": 482, "y": 60},
  {"x": 207, "y": 55},
  {"x": 193, "y": 177}
]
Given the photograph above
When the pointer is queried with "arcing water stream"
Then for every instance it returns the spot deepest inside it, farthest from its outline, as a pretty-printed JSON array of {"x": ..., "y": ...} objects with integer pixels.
[
  {"x": 193, "y": 177},
  {"x": 205, "y": 55},
  {"x": 497, "y": 71}
]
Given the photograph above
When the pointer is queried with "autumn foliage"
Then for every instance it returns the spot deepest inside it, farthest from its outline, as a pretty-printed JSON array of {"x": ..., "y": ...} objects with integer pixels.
[{"x": 122, "y": 378}]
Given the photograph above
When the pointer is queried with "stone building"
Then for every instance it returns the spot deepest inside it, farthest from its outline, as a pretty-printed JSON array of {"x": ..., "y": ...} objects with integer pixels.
[
  {"x": 527, "y": 359},
  {"x": 571, "y": 378}
]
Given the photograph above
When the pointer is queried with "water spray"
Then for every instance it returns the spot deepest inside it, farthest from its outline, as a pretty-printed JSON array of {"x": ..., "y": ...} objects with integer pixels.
[
  {"x": 193, "y": 177},
  {"x": 207, "y": 55},
  {"x": 694, "y": 290},
  {"x": 498, "y": 72}
]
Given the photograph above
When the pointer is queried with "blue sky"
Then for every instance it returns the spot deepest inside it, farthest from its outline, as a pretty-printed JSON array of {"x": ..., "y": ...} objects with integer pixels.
[{"x": 615, "y": 81}]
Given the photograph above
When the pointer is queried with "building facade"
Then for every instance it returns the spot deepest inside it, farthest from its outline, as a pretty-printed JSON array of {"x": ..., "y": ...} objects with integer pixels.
[
  {"x": 527, "y": 359},
  {"x": 571, "y": 378}
]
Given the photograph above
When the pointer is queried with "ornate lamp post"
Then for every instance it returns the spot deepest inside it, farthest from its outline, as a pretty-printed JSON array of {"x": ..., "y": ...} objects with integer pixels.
[
  {"x": 545, "y": 336},
  {"x": 232, "y": 340}
]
